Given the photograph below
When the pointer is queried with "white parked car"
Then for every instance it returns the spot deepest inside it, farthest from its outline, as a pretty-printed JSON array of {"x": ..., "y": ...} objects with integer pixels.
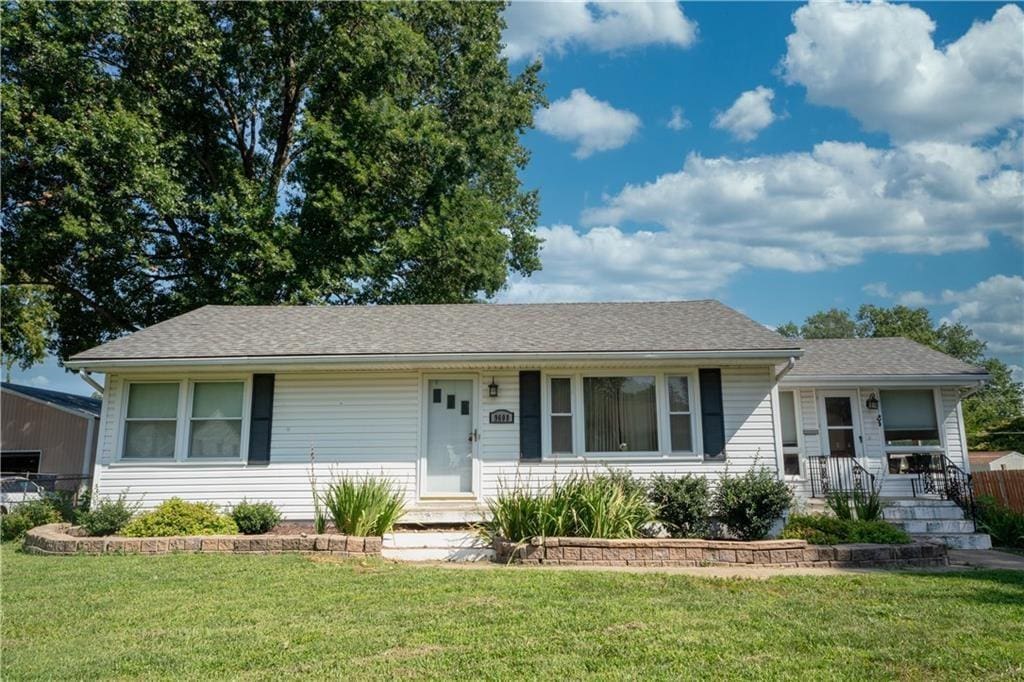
[{"x": 16, "y": 490}]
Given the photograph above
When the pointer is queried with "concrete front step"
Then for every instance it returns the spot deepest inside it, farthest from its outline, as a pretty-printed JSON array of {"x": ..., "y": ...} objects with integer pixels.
[
  {"x": 917, "y": 502},
  {"x": 925, "y": 513},
  {"x": 942, "y": 527},
  {"x": 456, "y": 545},
  {"x": 958, "y": 540}
]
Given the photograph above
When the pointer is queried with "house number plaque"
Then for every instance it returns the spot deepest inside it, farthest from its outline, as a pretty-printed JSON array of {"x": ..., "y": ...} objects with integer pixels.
[{"x": 502, "y": 417}]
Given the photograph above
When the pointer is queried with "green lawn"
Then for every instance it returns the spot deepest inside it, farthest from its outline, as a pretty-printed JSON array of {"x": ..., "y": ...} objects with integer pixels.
[{"x": 267, "y": 617}]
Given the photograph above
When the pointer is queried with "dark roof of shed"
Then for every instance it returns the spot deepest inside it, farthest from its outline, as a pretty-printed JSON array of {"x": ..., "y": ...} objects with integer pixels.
[{"x": 58, "y": 398}]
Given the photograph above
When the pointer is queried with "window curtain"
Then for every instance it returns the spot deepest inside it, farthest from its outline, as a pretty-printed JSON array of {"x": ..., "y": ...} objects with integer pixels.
[{"x": 620, "y": 414}]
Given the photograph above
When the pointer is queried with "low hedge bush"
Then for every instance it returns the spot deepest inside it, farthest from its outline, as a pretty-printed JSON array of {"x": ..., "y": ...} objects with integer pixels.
[
  {"x": 27, "y": 516},
  {"x": 106, "y": 516},
  {"x": 1005, "y": 525},
  {"x": 177, "y": 517},
  {"x": 751, "y": 503},
  {"x": 824, "y": 529},
  {"x": 253, "y": 518},
  {"x": 682, "y": 504}
]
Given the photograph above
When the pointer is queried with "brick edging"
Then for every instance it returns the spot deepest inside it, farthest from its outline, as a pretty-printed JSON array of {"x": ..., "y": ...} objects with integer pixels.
[
  {"x": 54, "y": 539},
  {"x": 673, "y": 552}
]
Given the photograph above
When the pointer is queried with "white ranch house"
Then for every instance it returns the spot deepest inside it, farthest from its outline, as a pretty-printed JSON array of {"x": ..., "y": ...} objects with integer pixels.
[{"x": 455, "y": 401}]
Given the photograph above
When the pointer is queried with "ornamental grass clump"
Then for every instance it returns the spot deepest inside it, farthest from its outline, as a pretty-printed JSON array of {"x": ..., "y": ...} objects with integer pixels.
[
  {"x": 603, "y": 506},
  {"x": 363, "y": 506},
  {"x": 178, "y": 517}
]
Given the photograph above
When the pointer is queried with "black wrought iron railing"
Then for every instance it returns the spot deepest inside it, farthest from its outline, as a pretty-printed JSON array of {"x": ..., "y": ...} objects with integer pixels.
[
  {"x": 839, "y": 475},
  {"x": 938, "y": 475}
]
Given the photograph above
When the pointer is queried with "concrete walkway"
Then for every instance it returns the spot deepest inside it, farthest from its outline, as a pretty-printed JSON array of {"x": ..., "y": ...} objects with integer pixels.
[{"x": 986, "y": 558}]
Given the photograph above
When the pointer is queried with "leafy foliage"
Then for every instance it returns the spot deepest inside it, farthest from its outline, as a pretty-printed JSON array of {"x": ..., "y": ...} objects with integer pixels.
[
  {"x": 106, "y": 516},
  {"x": 992, "y": 416},
  {"x": 177, "y": 517},
  {"x": 1005, "y": 525},
  {"x": 589, "y": 506},
  {"x": 161, "y": 156},
  {"x": 839, "y": 504},
  {"x": 862, "y": 505},
  {"x": 253, "y": 518},
  {"x": 363, "y": 506},
  {"x": 25, "y": 517},
  {"x": 822, "y": 529},
  {"x": 683, "y": 504},
  {"x": 751, "y": 503}
]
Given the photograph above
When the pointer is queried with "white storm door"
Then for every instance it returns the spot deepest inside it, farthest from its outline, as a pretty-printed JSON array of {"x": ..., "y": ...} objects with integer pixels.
[
  {"x": 839, "y": 417},
  {"x": 451, "y": 435}
]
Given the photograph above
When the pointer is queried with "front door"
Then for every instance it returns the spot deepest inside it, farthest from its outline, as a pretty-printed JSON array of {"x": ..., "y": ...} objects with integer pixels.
[
  {"x": 451, "y": 434},
  {"x": 839, "y": 416}
]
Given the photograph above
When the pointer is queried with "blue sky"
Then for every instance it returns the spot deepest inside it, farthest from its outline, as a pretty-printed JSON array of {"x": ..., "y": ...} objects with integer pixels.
[{"x": 780, "y": 157}]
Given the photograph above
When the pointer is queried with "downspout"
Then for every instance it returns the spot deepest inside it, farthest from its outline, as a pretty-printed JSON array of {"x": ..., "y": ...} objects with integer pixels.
[
  {"x": 790, "y": 364},
  {"x": 87, "y": 378}
]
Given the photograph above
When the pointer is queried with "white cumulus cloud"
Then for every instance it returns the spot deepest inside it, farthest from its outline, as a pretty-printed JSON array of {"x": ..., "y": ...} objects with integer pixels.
[
  {"x": 535, "y": 28},
  {"x": 879, "y": 289},
  {"x": 879, "y": 62},
  {"x": 593, "y": 125},
  {"x": 749, "y": 115},
  {"x": 678, "y": 120},
  {"x": 994, "y": 309}
]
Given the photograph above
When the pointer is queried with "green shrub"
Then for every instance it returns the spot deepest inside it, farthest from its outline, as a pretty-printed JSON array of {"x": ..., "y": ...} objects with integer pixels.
[
  {"x": 106, "y": 516},
  {"x": 253, "y": 518},
  {"x": 1005, "y": 525},
  {"x": 682, "y": 504},
  {"x": 177, "y": 517},
  {"x": 603, "y": 506},
  {"x": 27, "y": 516},
  {"x": 825, "y": 529},
  {"x": 749, "y": 504},
  {"x": 363, "y": 506}
]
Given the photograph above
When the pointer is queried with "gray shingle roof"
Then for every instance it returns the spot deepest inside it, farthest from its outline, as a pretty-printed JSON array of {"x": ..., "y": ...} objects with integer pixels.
[
  {"x": 870, "y": 357},
  {"x": 58, "y": 398},
  {"x": 268, "y": 331}
]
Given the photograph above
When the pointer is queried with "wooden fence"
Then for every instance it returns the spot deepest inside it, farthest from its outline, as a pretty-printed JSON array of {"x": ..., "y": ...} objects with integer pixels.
[{"x": 1006, "y": 485}]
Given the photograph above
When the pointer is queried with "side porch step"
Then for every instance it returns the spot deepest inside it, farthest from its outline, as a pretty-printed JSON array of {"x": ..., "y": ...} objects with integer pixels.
[
  {"x": 958, "y": 540},
  {"x": 432, "y": 545}
]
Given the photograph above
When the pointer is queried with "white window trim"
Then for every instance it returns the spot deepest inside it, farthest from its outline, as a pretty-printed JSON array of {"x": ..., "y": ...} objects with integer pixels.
[
  {"x": 797, "y": 449},
  {"x": 183, "y": 420},
  {"x": 664, "y": 451}
]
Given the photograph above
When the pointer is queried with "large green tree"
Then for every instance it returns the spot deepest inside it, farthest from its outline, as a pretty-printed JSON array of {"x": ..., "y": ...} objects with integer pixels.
[
  {"x": 994, "y": 416},
  {"x": 161, "y": 156}
]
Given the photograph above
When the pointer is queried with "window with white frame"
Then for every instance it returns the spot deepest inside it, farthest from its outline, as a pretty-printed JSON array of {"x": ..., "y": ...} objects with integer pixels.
[
  {"x": 620, "y": 414},
  {"x": 790, "y": 437},
  {"x": 151, "y": 421},
  {"x": 680, "y": 413},
  {"x": 561, "y": 415},
  {"x": 911, "y": 428},
  {"x": 215, "y": 425}
]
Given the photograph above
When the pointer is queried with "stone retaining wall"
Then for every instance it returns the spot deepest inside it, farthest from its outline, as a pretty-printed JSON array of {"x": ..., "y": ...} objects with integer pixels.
[
  {"x": 672, "y": 552},
  {"x": 56, "y": 538}
]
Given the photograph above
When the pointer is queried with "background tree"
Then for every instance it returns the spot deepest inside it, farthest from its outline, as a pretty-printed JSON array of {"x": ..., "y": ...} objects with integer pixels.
[
  {"x": 993, "y": 417},
  {"x": 161, "y": 156}
]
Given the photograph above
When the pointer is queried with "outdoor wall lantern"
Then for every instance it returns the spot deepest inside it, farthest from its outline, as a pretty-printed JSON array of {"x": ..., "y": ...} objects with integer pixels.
[
  {"x": 872, "y": 403},
  {"x": 492, "y": 389}
]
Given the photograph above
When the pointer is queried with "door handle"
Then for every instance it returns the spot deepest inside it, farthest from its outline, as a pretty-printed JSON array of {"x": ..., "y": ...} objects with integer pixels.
[{"x": 474, "y": 436}]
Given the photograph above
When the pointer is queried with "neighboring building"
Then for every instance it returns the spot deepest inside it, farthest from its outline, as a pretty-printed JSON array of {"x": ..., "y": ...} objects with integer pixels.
[
  {"x": 48, "y": 434},
  {"x": 455, "y": 402},
  {"x": 996, "y": 461}
]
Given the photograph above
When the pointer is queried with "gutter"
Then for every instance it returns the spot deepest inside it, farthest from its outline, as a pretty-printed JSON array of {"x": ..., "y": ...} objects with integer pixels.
[
  {"x": 812, "y": 380},
  {"x": 427, "y": 358}
]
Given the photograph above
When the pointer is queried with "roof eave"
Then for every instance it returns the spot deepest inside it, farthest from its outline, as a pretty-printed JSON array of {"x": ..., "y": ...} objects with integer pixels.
[
  {"x": 813, "y": 380},
  {"x": 426, "y": 358}
]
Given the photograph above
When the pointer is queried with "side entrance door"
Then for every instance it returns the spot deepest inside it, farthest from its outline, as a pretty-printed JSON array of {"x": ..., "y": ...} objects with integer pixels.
[
  {"x": 450, "y": 439},
  {"x": 839, "y": 414}
]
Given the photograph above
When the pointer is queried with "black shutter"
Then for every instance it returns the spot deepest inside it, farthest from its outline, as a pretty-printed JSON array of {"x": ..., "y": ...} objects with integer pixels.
[
  {"x": 262, "y": 418},
  {"x": 711, "y": 415},
  {"x": 529, "y": 415}
]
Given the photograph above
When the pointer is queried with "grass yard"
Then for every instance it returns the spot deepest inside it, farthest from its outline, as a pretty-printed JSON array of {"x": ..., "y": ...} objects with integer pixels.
[{"x": 268, "y": 617}]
